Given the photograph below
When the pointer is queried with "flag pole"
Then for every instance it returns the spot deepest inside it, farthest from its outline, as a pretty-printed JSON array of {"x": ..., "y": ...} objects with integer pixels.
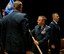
[{"x": 35, "y": 44}]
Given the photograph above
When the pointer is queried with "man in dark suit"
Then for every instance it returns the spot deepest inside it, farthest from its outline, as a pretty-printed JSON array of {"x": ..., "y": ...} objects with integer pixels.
[
  {"x": 41, "y": 34},
  {"x": 55, "y": 34},
  {"x": 0, "y": 32},
  {"x": 0, "y": 15},
  {"x": 15, "y": 30}
]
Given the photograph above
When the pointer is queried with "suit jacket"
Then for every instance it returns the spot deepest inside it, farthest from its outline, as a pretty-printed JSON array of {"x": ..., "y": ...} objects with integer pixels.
[
  {"x": 0, "y": 15},
  {"x": 0, "y": 32},
  {"x": 14, "y": 30},
  {"x": 40, "y": 37},
  {"x": 55, "y": 33}
]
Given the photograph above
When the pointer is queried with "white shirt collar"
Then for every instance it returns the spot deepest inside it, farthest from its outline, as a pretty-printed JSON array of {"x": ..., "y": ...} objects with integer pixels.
[{"x": 55, "y": 21}]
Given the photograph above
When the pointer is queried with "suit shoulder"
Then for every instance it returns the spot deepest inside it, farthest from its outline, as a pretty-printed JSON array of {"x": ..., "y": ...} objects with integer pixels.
[
  {"x": 5, "y": 17},
  {"x": 21, "y": 14},
  {"x": 47, "y": 26},
  {"x": 52, "y": 23},
  {"x": 36, "y": 26},
  {"x": 20, "y": 17}
]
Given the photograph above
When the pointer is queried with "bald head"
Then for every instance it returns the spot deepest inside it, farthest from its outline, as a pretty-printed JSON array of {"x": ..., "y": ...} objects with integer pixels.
[
  {"x": 18, "y": 5},
  {"x": 55, "y": 17}
]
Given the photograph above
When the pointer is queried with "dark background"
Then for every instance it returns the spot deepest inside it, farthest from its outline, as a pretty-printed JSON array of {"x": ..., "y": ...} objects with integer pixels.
[{"x": 35, "y": 8}]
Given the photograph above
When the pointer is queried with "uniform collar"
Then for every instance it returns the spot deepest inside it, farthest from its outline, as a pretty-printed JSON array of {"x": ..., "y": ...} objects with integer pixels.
[{"x": 55, "y": 21}]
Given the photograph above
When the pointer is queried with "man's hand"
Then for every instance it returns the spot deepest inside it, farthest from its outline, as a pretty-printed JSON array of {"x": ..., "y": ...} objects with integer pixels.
[
  {"x": 36, "y": 42},
  {"x": 5, "y": 53},
  {"x": 43, "y": 32},
  {"x": 53, "y": 46},
  {"x": 29, "y": 52}
]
